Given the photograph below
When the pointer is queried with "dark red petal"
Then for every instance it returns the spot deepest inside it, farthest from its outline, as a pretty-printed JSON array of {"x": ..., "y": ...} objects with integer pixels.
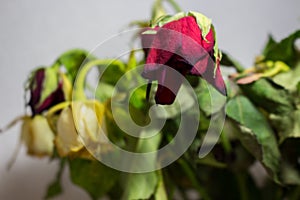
[
  {"x": 54, "y": 98},
  {"x": 209, "y": 42},
  {"x": 187, "y": 26},
  {"x": 205, "y": 67},
  {"x": 162, "y": 48},
  {"x": 147, "y": 39},
  {"x": 169, "y": 83},
  {"x": 204, "y": 62},
  {"x": 36, "y": 86},
  {"x": 215, "y": 80},
  {"x": 36, "y": 89}
]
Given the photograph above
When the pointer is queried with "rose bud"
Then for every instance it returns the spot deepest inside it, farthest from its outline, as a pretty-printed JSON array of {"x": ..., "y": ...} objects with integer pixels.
[
  {"x": 47, "y": 87},
  {"x": 38, "y": 136},
  {"x": 186, "y": 43}
]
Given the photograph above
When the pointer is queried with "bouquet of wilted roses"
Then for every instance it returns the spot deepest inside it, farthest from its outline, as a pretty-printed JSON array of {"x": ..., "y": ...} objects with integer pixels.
[{"x": 151, "y": 127}]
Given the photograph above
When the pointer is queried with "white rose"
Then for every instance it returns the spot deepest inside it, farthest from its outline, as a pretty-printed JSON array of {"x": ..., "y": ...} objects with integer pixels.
[
  {"x": 77, "y": 125},
  {"x": 37, "y": 135}
]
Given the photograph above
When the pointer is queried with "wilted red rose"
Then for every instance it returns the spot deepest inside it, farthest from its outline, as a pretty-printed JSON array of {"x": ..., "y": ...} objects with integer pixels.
[{"x": 181, "y": 45}]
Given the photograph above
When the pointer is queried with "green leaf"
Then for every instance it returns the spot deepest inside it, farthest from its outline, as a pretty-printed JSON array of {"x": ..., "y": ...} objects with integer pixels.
[
  {"x": 270, "y": 44},
  {"x": 72, "y": 61},
  {"x": 94, "y": 177},
  {"x": 227, "y": 60},
  {"x": 55, "y": 188},
  {"x": 256, "y": 134},
  {"x": 289, "y": 80},
  {"x": 111, "y": 71},
  {"x": 287, "y": 126},
  {"x": 268, "y": 96},
  {"x": 209, "y": 99},
  {"x": 132, "y": 61},
  {"x": 284, "y": 50},
  {"x": 104, "y": 91},
  {"x": 138, "y": 97}
]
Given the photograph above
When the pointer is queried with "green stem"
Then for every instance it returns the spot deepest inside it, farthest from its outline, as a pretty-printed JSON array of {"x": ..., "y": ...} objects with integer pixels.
[
  {"x": 79, "y": 85},
  {"x": 160, "y": 193},
  {"x": 226, "y": 142},
  {"x": 234, "y": 63},
  {"x": 175, "y": 5},
  {"x": 295, "y": 193},
  {"x": 242, "y": 187},
  {"x": 191, "y": 175}
]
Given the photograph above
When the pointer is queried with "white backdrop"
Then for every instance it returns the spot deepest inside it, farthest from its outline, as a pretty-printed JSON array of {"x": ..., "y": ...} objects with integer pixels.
[{"x": 35, "y": 32}]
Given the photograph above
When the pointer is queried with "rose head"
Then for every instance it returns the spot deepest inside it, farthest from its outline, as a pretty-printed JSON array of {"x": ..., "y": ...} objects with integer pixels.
[
  {"x": 78, "y": 125},
  {"x": 47, "y": 87},
  {"x": 37, "y": 136},
  {"x": 186, "y": 43}
]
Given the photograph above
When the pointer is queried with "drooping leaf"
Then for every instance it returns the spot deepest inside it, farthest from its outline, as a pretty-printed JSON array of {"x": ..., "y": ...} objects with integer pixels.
[
  {"x": 284, "y": 50},
  {"x": 269, "y": 45},
  {"x": 72, "y": 61},
  {"x": 209, "y": 99},
  {"x": 268, "y": 96},
  {"x": 256, "y": 134},
  {"x": 287, "y": 126},
  {"x": 94, "y": 177},
  {"x": 138, "y": 99},
  {"x": 111, "y": 71},
  {"x": 104, "y": 91},
  {"x": 227, "y": 60},
  {"x": 289, "y": 80},
  {"x": 55, "y": 187}
]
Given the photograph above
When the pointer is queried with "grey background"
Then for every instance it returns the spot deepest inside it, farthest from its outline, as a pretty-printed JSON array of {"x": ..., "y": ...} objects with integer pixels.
[{"x": 35, "y": 32}]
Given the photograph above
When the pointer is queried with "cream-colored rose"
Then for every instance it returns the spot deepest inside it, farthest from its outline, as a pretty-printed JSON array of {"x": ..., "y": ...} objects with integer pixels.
[
  {"x": 77, "y": 125},
  {"x": 37, "y": 135}
]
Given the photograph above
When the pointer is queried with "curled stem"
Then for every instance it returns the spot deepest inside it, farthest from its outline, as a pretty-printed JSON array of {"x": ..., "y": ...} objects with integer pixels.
[
  {"x": 79, "y": 85},
  {"x": 175, "y": 5}
]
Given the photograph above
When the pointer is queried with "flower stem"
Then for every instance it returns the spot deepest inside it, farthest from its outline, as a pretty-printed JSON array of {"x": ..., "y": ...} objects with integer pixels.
[
  {"x": 242, "y": 186},
  {"x": 175, "y": 5},
  {"x": 79, "y": 85},
  {"x": 191, "y": 175},
  {"x": 226, "y": 142}
]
